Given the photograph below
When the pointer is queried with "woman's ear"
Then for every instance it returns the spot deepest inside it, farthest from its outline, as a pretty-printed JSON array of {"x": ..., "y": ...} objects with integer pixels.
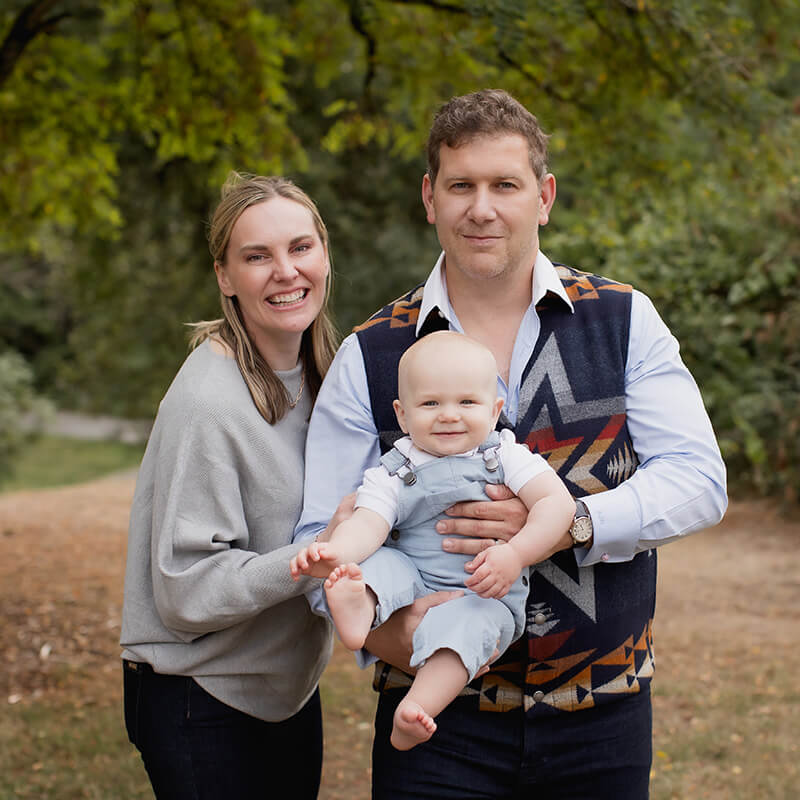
[{"x": 222, "y": 279}]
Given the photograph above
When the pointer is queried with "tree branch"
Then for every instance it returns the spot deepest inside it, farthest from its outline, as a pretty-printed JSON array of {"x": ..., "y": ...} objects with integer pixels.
[
  {"x": 359, "y": 26},
  {"x": 32, "y": 21}
]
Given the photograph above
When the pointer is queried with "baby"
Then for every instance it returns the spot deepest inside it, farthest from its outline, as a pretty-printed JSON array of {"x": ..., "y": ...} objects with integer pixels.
[{"x": 448, "y": 407}]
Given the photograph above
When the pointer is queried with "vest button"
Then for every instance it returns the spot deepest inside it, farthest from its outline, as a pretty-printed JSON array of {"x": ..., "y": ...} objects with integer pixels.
[
  {"x": 538, "y": 697},
  {"x": 540, "y": 619},
  {"x": 395, "y": 534}
]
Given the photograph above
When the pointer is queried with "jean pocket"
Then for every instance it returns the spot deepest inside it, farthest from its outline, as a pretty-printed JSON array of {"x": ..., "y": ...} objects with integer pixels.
[{"x": 204, "y": 709}]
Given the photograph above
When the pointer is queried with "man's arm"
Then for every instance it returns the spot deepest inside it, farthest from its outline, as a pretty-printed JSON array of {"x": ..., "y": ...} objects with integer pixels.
[
  {"x": 550, "y": 513},
  {"x": 679, "y": 486},
  {"x": 342, "y": 440}
]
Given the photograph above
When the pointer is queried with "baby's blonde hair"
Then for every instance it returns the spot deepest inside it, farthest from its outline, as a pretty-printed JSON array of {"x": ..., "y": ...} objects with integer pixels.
[{"x": 450, "y": 344}]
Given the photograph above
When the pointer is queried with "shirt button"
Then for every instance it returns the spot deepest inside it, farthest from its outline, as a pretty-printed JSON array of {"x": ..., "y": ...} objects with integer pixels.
[
  {"x": 538, "y": 697},
  {"x": 604, "y": 557},
  {"x": 540, "y": 619}
]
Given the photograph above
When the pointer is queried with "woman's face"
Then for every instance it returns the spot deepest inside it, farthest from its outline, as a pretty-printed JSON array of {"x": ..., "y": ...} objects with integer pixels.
[{"x": 276, "y": 265}]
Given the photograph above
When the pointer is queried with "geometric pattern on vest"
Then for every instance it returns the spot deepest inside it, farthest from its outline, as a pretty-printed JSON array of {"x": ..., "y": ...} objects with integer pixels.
[{"x": 589, "y": 634}]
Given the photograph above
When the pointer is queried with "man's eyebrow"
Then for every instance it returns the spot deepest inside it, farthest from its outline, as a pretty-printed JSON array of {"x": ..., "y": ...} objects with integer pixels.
[{"x": 471, "y": 178}]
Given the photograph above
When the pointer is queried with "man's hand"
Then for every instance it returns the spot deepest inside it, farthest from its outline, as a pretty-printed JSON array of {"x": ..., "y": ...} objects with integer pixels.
[
  {"x": 393, "y": 641},
  {"x": 483, "y": 522},
  {"x": 494, "y": 570},
  {"x": 317, "y": 560}
]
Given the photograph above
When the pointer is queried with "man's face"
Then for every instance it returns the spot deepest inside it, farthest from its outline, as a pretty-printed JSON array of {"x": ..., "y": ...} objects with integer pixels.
[{"x": 487, "y": 207}]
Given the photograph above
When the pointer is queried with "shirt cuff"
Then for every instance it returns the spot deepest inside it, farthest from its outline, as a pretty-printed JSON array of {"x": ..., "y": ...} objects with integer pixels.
[{"x": 616, "y": 523}]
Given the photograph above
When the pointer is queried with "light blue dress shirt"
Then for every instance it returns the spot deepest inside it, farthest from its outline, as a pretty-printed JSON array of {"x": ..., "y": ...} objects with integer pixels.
[{"x": 678, "y": 488}]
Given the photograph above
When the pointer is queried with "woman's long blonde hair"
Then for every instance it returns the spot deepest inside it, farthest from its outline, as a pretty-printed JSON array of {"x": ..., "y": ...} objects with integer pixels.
[{"x": 318, "y": 344}]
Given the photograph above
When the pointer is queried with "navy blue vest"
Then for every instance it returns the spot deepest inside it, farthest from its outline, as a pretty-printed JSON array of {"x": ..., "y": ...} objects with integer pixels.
[{"x": 589, "y": 630}]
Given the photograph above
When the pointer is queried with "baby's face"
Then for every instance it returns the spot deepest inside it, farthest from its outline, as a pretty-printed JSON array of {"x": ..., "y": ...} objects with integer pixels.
[{"x": 447, "y": 406}]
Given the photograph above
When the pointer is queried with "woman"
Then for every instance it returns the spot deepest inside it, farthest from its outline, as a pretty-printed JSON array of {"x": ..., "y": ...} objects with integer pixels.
[{"x": 221, "y": 653}]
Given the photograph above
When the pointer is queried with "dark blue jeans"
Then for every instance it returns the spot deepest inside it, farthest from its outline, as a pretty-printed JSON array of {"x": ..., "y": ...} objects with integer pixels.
[
  {"x": 602, "y": 753},
  {"x": 196, "y": 748}
]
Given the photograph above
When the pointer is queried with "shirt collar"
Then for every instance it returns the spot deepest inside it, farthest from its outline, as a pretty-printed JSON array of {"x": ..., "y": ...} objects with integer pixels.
[{"x": 434, "y": 298}]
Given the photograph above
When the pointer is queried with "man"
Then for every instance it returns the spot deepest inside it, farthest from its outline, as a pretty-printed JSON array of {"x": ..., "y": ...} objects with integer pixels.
[{"x": 592, "y": 380}]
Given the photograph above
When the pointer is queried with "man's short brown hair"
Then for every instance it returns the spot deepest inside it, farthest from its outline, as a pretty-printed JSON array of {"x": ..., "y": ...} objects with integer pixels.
[{"x": 489, "y": 112}]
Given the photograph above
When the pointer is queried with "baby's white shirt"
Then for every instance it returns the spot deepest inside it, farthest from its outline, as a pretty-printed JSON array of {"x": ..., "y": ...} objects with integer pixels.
[{"x": 380, "y": 491}]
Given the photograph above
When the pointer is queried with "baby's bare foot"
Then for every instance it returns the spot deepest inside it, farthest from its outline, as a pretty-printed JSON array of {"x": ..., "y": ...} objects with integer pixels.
[
  {"x": 352, "y": 608},
  {"x": 412, "y": 726}
]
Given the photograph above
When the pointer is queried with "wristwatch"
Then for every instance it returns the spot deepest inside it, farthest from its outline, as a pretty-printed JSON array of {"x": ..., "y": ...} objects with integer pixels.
[{"x": 581, "y": 529}]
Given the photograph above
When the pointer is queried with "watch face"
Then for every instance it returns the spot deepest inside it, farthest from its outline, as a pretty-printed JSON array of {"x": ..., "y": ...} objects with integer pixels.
[{"x": 581, "y": 530}]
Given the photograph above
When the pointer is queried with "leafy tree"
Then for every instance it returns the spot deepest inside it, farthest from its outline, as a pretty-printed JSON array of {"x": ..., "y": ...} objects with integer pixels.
[
  {"x": 17, "y": 399},
  {"x": 674, "y": 138}
]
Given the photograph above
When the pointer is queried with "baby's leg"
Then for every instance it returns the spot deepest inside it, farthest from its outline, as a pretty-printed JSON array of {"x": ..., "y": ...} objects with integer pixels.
[
  {"x": 351, "y": 603},
  {"x": 437, "y": 683}
]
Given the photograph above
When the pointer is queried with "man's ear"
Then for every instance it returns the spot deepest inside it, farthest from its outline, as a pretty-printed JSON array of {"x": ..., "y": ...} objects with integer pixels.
[
  {"x": 401, "y": 415},
  {"x": 547, "y": 196},
  {"x": 222, "y": 280},
  {"x": 427, "y": 198}
]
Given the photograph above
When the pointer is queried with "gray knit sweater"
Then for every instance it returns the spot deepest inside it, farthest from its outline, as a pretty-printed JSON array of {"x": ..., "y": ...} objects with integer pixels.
[{"x": 207, "y": 586}]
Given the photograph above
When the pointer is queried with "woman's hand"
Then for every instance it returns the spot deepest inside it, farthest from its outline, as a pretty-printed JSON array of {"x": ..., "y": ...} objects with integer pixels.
[{"x": 479, "y": 524}]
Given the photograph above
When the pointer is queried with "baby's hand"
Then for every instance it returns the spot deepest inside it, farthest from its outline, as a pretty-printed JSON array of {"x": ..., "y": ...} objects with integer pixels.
[
  {"x": 494, "y": 570},
  {"x": 317, "y": 560}
]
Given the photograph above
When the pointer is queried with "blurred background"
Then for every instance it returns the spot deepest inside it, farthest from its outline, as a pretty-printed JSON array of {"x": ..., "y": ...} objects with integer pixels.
[
  {"x": 675, "y": 131},
  {"x": 675, "y": 139}
]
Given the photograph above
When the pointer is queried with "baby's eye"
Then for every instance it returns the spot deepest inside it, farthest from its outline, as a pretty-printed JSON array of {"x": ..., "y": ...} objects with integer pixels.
[
  {"x": 467, "y": 402},
  {"x": 430, "y": 403}
]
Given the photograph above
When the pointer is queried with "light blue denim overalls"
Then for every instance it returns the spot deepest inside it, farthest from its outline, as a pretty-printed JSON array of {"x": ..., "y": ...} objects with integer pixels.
[{"x": 412, "y": 562}]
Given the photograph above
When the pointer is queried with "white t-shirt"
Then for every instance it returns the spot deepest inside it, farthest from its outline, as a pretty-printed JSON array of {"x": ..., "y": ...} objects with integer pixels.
[{"x": 380, "y": 491}]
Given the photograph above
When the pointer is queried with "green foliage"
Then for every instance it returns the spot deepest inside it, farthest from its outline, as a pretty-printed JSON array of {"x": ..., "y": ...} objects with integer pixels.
[
  {"x": 17, "y": 399},
  {"x": 674, "y": 130}
]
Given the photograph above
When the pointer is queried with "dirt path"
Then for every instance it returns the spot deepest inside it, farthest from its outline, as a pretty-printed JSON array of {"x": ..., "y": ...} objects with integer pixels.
[{"x": 727, "y": 621}]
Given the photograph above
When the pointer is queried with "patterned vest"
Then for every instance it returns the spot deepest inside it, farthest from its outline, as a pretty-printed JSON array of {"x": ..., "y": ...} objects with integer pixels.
[{"x": 588, "y": 637}]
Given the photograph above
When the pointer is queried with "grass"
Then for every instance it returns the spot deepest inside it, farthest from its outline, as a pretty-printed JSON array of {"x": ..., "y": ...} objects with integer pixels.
[
  {"x": 726, "y": 698},
  {"x": 49, "y": 461},
  {"x": 61, "y": 750}
]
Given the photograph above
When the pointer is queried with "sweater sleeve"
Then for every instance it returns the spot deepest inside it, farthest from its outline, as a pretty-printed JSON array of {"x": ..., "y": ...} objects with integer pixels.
[{"x": 207, "y": 574}]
